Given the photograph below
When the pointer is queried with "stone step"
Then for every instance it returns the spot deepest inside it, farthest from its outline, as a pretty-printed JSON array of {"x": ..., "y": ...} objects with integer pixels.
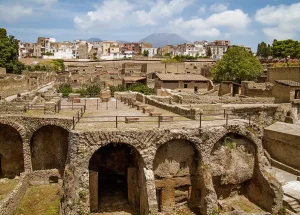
[
  {"x": 293, "y": 203},
  {"x": 288, "y": 199}
]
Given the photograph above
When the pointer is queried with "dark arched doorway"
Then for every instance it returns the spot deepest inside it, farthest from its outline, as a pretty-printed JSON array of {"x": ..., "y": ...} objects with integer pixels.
[
  {"x": 176, "y": 177},
  {"x": 11, "y": 152},
  {"x": 49, "y": 148},
  {"x": 116, "y": 179}
]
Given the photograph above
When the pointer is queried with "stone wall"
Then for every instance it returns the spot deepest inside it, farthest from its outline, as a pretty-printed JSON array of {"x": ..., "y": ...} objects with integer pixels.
[
  {"x": 188, "y": 112},
  {"x": 284, "y": 73},
  {"x": 281, "y": 93},
  {"x": 210, "y": 99},
  {"x": 10, "y": 85},
  {"x": 252, "y": 89},
  {"x": 11, "y": 202},
  {"x": 14, "y": 84},
  {"x": 13, "y": 107},
  {"x": 282, "y": 142},
  {"x": 261, "y": 115},
  {"x": 263, "y": 190},
  {"x": 208, "y": 108}
]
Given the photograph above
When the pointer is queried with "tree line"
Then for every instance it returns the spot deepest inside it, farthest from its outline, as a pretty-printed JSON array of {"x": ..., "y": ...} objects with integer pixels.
[{"x": 279, "y": 49}]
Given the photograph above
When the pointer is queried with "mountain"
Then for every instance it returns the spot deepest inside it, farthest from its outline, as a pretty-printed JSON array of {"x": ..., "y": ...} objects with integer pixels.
[
  {"x": 162, "y": 39},
  {"x": 122, "y": 41},
  {"x": 94, "y": 40}
]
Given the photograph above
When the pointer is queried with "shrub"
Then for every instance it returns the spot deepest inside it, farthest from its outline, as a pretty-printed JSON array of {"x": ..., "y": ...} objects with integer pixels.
[
  {"x": 65, "y": 89},
  {"x": 141, "y": 88}
]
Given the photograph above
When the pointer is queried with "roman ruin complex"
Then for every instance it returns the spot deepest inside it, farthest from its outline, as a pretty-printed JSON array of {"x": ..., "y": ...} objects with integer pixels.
[{"x": 215, "y": 151}]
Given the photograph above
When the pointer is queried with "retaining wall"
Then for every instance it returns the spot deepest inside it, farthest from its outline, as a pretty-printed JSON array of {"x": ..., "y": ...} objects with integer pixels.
[{"x": 11, "y": 202}]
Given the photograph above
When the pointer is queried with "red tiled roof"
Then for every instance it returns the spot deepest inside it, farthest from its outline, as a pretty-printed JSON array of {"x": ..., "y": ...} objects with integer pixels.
[{"x": 181, "y": 77}]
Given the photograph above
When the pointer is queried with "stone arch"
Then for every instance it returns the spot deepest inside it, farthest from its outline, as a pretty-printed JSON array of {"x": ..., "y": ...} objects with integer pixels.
[
  {"x": 234, "y": 130},
  {"x": 233, "y": 163},
  {"x": 42, "y": 123},
  {"x": 116, "y": 174},
  {"x": 176, "y": 174},
  {"x": 49, "y": 147},
  {"x": 96, "y": 141},
  {"x": 11, "y": 150},
  {"x": 17, "y": 126}
]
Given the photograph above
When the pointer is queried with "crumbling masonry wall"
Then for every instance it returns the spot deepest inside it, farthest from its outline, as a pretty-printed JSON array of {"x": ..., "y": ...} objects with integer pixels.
[{"x": 263, "y": 190}]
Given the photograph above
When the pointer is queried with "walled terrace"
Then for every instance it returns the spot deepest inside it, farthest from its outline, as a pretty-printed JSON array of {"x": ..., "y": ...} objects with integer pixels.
[{"x": 112, "y": 157}]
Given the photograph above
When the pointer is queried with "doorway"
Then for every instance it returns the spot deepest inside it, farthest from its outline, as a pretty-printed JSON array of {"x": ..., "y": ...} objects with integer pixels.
[{"x": 114, "y": 184}]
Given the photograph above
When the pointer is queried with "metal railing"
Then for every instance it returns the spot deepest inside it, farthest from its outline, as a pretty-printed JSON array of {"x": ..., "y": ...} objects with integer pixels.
[
  {"x": 159, "y": 120},
  {"x": 78, "y": 116}
]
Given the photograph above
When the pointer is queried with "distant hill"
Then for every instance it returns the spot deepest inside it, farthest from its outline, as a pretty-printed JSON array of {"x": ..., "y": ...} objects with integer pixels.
[
  {"x": 122, "y": 41},
  {"x": 91, "y": 40},
  {"x": 162, "y": 39}
]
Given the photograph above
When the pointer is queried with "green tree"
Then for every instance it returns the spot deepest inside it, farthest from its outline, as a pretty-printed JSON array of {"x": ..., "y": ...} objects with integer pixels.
[
  {"x": 264, "y": 50},
  {"x": 146, "y": 53},
  {"x": 9, "y": 53},
  {"x": 237, "y": 65},
  {"x": 141, "y": 88},
  {"x": 208, "y": 52},
  {"x": 65, "y": 89},
  {"x": 57, "y": 65},
  {"x": 286, "y": 49}
]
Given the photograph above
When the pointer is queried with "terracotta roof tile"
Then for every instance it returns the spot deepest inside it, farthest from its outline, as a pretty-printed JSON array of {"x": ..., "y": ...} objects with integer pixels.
[{"x": 181, "y": 77}]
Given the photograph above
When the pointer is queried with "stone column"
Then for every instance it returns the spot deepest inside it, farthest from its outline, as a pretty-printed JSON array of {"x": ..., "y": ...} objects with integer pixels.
[
  {"x": 93, "y": 191},
  {"x": 27, "y": 155},
  {"x": 151, "y": 207}
]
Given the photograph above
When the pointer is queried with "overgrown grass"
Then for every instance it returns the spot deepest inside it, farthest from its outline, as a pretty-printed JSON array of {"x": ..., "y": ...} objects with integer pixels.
[
  {"x": 38, "y": 200},
  {"x": 6, "y": 187}
]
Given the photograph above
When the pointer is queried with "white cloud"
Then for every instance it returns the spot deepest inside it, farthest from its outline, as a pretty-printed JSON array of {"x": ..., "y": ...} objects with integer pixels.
[
  {"x": 111, "y": 14},
  {"x": 235, "y": 20},
  {"x": 120, "y": 13},
  {"x": 281, "y": 22},
  {"x": 161, "y": 10},
  {"x": 13, "y": 13},
  {"x": 202, "y": 9},
  {"x": 218, "y": 7}
]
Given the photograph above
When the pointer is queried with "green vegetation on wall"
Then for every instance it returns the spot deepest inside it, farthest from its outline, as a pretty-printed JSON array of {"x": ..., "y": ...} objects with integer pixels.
[
  {"x": 88, "y": 90},
  {"x": 54, "y": 65}
]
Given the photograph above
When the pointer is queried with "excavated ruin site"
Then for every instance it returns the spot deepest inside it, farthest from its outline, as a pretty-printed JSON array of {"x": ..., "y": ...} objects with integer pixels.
[{"x": 173, "y": 153}]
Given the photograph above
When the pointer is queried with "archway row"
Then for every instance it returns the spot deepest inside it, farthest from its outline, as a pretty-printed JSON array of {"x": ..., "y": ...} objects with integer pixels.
[{"x": 48, "y": 149}]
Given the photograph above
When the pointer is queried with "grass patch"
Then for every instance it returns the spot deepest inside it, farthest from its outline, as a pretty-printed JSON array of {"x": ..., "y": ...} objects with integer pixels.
[
  {"x": 43, "y": 199},
  {"x": 6, "y": 186}
]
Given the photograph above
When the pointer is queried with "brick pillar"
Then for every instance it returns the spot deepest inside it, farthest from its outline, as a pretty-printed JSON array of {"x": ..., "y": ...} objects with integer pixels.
[
  {"x": 93, "y": 191},
  {"x": 27, "y": 155}
]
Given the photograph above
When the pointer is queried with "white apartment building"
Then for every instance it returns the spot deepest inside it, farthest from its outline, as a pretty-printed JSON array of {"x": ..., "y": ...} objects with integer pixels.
[
  {"x": 152, "y": 51},
  {"x": 218, "y": 48},
  {"x": 190, "y": 49}
]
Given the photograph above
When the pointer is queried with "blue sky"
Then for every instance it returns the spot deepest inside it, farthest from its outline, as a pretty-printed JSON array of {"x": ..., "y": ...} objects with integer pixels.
[{"x": 241, "y": 21}]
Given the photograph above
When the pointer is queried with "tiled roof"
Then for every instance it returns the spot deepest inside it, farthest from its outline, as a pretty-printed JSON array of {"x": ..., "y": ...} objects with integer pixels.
[
  {"x": 133, "y": 78},
  {"x": 288, "y": 83},
  {"x": 181, "y": 77}
]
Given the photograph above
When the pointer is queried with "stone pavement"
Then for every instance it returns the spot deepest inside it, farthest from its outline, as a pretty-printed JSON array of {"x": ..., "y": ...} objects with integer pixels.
[{"x": 102, "y": 116}]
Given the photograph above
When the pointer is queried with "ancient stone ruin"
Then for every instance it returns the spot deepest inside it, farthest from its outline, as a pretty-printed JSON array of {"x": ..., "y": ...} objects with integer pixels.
[{"x": 177, "y": 153}]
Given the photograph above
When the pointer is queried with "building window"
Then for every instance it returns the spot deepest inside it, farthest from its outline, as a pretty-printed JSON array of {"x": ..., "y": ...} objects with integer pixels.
[{"x": 185, "y": 85}]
